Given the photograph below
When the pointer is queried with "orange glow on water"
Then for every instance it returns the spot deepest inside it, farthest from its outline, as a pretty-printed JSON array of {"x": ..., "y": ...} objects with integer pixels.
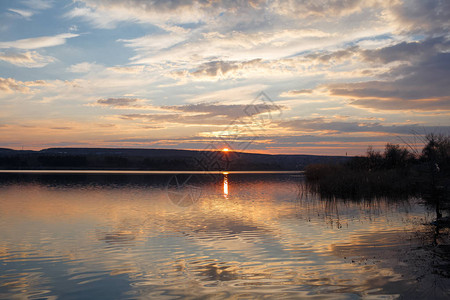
[{"x": 225, "y": 184}]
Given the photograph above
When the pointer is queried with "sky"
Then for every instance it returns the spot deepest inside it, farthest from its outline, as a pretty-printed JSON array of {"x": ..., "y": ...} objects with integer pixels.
[{"x": 281, "y": 76}]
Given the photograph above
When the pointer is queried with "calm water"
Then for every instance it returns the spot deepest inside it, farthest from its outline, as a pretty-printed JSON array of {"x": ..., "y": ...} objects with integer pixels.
[{"x": 91, "y": 236}]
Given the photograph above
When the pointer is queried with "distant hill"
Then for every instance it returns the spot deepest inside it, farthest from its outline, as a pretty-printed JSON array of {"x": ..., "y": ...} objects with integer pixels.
[{"x": 154, "y": 159}]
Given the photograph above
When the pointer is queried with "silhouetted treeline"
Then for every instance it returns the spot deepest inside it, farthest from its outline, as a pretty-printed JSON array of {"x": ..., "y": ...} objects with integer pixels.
[
  {"x": 398, "y": 171},
  {"x": 152, "y": 159}
]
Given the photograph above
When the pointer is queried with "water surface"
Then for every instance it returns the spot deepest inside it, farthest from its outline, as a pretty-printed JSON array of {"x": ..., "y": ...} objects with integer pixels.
[{"x": 119, "y": 236}]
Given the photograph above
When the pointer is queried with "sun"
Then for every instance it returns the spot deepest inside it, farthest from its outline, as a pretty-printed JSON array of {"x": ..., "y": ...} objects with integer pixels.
[{"x": 225, "y": 150}]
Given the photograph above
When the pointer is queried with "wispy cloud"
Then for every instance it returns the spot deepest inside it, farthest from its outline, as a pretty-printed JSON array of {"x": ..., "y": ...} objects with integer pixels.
[
  {"x": 128, "y": 69},
  {"x": 124, "y": 103},
  {"x": 38, "y": 4},
  {"x": 39, "y": 42},
  {"x": 294, "y": 93},
  {"x": 10, "y": 85},
  {"x": 84, "y": 67},
  {"x": 331, "y": 127},
  {"x": 196, "y": 114},
  {"x": 28, "y": 59},
  {"x": 22, "y": 12}
]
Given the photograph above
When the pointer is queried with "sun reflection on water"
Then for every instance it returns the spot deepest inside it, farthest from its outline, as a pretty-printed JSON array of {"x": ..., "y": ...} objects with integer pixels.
[
  {"x": 225, "y": 184},
  {"x": 266, "y": 238}
]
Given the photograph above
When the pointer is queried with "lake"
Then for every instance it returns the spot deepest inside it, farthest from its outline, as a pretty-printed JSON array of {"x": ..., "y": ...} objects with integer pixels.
[{"x": 226, "y": 235}]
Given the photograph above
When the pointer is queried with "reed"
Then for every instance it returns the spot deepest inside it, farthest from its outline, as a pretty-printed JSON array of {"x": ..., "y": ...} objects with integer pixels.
[{"x": 397, "y": 172}]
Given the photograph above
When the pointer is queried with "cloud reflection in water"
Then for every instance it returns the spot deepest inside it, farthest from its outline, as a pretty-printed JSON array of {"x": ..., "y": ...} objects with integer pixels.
[{"x": 260, "y": 237}]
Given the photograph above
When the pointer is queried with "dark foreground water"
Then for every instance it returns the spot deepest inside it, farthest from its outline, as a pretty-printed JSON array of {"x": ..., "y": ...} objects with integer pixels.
[{"x": 224, "y": 236}]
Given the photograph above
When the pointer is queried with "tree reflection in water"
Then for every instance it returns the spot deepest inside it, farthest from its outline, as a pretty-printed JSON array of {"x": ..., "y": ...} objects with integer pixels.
[
  {"x": 269, "y": 236},
  {"x": 421, "y": 254}
]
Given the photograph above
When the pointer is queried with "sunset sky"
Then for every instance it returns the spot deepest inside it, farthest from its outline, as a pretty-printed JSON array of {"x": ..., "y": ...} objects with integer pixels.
[{"x": 337, "y": 76}]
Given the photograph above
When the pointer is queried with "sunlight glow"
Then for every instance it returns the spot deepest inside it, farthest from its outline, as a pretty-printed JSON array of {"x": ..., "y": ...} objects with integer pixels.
[
  {"x": 225, "y": 150},
  {"x": 225, "y": 184}
]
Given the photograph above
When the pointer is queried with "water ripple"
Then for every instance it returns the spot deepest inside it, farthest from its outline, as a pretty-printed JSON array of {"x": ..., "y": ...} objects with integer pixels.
[{"x": 117, "y": 241}]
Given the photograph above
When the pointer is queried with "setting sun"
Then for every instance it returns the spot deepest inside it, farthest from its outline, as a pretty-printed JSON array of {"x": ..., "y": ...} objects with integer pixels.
[{"x": 225, "y": 150}]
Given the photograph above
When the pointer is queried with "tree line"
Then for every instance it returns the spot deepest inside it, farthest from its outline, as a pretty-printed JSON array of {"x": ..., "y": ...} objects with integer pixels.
[{"x": 397, "y": 171}]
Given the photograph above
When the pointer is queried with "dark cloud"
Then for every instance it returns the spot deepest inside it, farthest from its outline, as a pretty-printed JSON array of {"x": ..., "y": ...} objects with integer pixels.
[
  {"x": 423, "y": 16},
  {"x": 406, "y": 51},
  {"x": 319, "y": 124},
  {"x": 416, "y": 105},
  {"x": 154, "y": 117},
  {"x": 231, "y": 111},
  {"x": 65, "y": 144},
  {"x": 105, "y": 125},
  {"x": 313, "y": 139},
  {"x": 421, "y": 83},
  {"x": 218, "y": 68},
  {"x": 179, "y": 118},
  {"x": 61, "y": 128},
  {"x": 335, "y": 56},
  {"x": 152, "y": 127},
  {"x": 426, "y": 80},
  {"x": 118, "y": 102},
  {"x": 323, "y": 8},
  {"x": 215, "y": 68},
  {"x": 203, "y": 113}
]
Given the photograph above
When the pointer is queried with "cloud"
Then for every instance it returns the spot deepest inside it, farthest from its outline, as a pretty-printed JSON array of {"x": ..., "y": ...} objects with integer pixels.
[
  {"x": 325, "y": 8},
  {"x": 128, "y": 69},
  {"x": 38, "y": 4},
  {"x": 28, "y": 59},
  {"x": 332, "y": 57},
  {"x": 309, "y": 64},
  {"x": 214, "y": 70},
  {"x": 423, "y": 86},
  {"x": 61, "y": 128},
  {"x": 232, "y": 111},
  {"x": 420, "y": 83},
  {"x": 39, "y": 42},
  {"x": 126, "y": 103},
  {"x": 107, "y": 13},
  {"x": 10, "y": 85},
  {"x": 329, "y": 127},
  {"x": 23, "y": 13},
  {"x": 406, "y": 51},
  {"x": 191, "y": 49},
  {"x": 203, "y": 114},
  {"x": 285, "y": 47},
  {"x": 235, "y": 95},
  {"x": 154, "y": 43},
  {"x": 120, "y": 102},
  {"x": 294, "y": 93},
  {"x": 402, "y": 105},
  {"x": 84, "y": 67},
  {"x": 422, "y": 16}
]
